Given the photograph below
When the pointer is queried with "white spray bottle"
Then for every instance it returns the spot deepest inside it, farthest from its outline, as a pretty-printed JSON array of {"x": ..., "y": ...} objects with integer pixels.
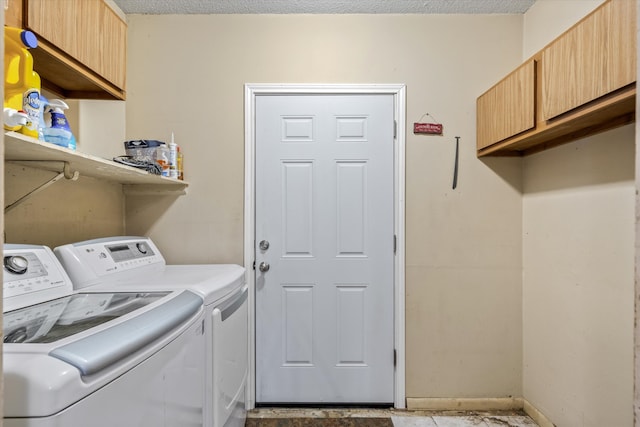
[{"x": 59, "y": 132}]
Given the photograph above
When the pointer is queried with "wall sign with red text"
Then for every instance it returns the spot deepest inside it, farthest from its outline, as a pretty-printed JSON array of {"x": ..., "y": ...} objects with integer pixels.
[
  {"x": 421, "y": 128},
  {"x": 427, "y": 128}
]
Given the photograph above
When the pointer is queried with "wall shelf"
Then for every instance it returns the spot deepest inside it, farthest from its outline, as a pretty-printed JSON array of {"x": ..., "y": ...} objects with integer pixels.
[{"x": 31, "y": 152}]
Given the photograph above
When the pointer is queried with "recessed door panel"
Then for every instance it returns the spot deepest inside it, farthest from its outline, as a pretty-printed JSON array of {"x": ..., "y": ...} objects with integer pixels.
[
  {"x": 351, "y": 321},
  {"x": 297, "y": 129},
  {"x": 297, "y": 325},
  {"x": 297, "y": 208},
  {"x": 351, "y": 205},
  {"x": 352, "y": 129}
]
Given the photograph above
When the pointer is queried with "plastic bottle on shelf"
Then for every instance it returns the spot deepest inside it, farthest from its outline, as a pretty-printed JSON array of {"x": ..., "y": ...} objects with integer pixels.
[
  {"x": 162, "y": 158},
  {"x": 42, "y": 123},
  {"x": 180, "y": 164},
  {"x": 173, "y": 158},
  {"x": 59, "y": 132},
  {"x": 21, "y": 84}
]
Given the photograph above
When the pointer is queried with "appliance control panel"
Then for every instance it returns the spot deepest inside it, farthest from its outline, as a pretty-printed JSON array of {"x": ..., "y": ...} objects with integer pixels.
[
  {"x": 32, "y": 274},
  {"x": 88, "y": 261}
]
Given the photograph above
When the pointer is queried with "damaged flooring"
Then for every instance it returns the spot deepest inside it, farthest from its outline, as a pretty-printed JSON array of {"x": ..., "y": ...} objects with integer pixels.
[{"x": 288, "y": 417}]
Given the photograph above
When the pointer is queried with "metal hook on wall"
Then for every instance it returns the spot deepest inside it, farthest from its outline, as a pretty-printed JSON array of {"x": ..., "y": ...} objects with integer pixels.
[{"x": 68, "y": 174}]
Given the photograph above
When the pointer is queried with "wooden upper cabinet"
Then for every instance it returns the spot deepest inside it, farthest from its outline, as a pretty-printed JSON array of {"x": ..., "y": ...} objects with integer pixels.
[
  {"x": 87, "y": 30},
  {"x": 594, "y": 58},
  {"x": 81, "y": 49},
  {"x": 508, "y": 108},
  {"x": 581, "y": 84}
]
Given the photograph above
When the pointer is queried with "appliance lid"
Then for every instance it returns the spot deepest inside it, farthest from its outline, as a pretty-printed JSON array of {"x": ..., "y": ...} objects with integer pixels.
[
  {"x": 211, "y": 281},
  {"x": 132, "y": 262},
  {"x": 99, "y": 350},
  {"x": 51, "y": 321}
]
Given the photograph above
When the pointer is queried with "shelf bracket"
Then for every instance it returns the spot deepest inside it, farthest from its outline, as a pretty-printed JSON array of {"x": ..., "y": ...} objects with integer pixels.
[{"x": 66, "y": 173}]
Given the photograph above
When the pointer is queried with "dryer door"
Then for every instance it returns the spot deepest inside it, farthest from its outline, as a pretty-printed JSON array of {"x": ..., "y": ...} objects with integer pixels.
[{"x": 230, "y": 360}]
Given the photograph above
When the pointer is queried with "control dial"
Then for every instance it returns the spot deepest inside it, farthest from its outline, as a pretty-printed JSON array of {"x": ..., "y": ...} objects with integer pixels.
[
  {"x": 16, "y": 264},
  {"x": 142, "y": 247}
]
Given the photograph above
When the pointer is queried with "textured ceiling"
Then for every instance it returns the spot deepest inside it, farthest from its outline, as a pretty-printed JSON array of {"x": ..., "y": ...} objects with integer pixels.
[{"x": 158, "y": 7}]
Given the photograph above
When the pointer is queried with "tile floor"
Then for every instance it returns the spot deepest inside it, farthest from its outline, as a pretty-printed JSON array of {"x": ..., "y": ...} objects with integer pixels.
[
  {"x": 303, "y": 417},
  {"x": 464, "y": 421}
]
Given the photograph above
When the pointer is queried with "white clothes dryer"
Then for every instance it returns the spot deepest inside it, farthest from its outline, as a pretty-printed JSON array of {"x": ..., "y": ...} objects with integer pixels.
[
  {"x": 73, "y": 359},
  {"x": 135, "y": 263}
]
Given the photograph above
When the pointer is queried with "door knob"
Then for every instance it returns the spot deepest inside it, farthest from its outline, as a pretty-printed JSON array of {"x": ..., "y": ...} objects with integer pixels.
[
  {"x": 264, "y": 267},
  {"x": 264, "y": 245}
]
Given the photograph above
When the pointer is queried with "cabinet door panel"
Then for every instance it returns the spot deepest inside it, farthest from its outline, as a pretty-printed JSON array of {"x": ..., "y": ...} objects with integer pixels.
[
  {"x": 89, "y": 31},
  {"x": 508, "y": 108},
  {"x": 55, "y": 23},
  {"x": 592, "y": 59},
  {"x": 113, "y": 44},
  {"x": 13, "y": 13},
  {"x": 623, "y": 45}
]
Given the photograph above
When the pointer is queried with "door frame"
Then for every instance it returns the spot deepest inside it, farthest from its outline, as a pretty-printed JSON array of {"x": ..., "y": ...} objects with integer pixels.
[{"x": 251, "y": 91}]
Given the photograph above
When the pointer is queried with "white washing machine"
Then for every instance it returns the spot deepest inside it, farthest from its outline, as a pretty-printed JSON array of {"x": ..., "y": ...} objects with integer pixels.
[
  {"x": 120, "y": 263},
  {"x": 73, "y": 359}
]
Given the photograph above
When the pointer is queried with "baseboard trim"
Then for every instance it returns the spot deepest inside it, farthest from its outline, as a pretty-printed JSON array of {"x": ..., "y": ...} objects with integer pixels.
[
  {"x": 464, "y": 404},
  {"x": 479, "y": 404},
  {"x": 536, "y": 415}
]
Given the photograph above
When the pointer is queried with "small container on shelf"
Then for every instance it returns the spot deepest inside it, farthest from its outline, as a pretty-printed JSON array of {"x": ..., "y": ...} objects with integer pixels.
[{"x": 143, "y": 149}]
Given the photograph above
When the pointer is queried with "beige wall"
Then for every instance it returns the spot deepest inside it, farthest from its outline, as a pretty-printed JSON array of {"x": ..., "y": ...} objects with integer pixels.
[
  {"x": 578, "y": 252},
  {"x": 98, "y": 126},
  {"x": 70, "y": 211},
  {"x": 186, "y": 75},
  {"x": 65, "y": 212}
]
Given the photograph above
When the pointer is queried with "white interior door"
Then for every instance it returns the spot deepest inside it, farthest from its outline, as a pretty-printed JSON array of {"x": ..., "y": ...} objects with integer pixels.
[{"x": 325, "y": 205}]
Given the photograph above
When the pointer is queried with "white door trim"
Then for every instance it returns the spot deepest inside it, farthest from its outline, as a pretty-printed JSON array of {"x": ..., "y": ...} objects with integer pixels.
[{"x": 398, "y": 91}]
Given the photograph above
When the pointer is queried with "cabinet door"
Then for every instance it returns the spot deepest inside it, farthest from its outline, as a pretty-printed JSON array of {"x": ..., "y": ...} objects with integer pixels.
[
  {"x": 113, "y": 44},
  {"x": 592, "y": 59},
  {"x": 89, "y": 31},
  {"x": 13, "y": 13},
  {"x": 508, "y": 108}
]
